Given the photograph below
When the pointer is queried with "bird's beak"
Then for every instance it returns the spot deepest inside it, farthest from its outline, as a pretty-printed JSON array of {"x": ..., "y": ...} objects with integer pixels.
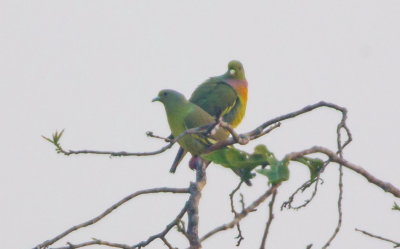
[{"x": 156, "y": 99}]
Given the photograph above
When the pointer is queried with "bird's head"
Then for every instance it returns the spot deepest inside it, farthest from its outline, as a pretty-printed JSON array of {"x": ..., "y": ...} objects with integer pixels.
[
  {"x": 169, "y": 97},
  {"x": 235, "y": 70}
]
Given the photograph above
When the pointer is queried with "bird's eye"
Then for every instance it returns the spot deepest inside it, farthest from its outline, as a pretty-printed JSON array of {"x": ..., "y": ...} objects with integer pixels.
[
  {"x": 165, "y": 93},
  {"x": 232, "y": 71}
]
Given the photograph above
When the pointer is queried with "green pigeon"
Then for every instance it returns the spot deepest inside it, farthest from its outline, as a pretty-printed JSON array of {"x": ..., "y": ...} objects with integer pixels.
[
  {"x": 221, "y": 96},
  {"x": 183, "y": 115}
]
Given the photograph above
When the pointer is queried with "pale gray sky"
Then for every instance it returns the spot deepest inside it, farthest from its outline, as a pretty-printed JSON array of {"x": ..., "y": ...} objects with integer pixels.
[{"x": 92, "y": 67}]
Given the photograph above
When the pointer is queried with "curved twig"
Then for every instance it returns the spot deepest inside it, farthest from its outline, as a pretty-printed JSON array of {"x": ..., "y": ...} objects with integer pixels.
[
  {"x": 108, "y": 211},
  {"x": 396, "y": 244},
  {"x": 242, "y": 214},
  {"x": 261, "y": 130},
  {"x": 385, "y": 186},
  {"x": 270, "y": 218}
]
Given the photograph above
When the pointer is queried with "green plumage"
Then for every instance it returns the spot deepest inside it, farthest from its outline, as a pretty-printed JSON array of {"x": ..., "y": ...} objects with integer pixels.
[
  {"x": 215, "y": 97},
  {"x": 224, "y": 95},
  {"x": 183, "y": 115},
  {"x": 221, "y": 96}
]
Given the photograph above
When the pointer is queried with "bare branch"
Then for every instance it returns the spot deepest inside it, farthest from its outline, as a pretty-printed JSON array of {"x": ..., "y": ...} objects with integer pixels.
[
  {"x": 59, "y": 149},
  {"x": 193, "y": 205},
  {"x": 339, "y": 205},
  {"x": 270, "y": 218},
  {"x": 231, "y": 196},
  {"x": 260, "y": 130},
  {"x": 160, "y": 235},
  {"x": 167, "y": 243},
  {"x": 386, "y": 186},
  {"x": 165, "y": 231},
  {"x": 242, "y": 214},
  {"x": 181, "y": 228},
  {"x": 235, "y": 213},
  {"x": 242, "y": 138},
  {"x": 94, "y": 242},
  {"x": 396, "y": 244},
  {"x": 166, "y": 139},
  {"x": 238, "y": 138},
  {"x": 302, "y": 188},
  {"x": 108, "y": 211},
  {"x": 340, "y": 146}
]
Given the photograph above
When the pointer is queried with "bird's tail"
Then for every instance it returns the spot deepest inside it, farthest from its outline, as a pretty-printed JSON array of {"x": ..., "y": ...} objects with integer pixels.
[{"x": 178, "y": 158}]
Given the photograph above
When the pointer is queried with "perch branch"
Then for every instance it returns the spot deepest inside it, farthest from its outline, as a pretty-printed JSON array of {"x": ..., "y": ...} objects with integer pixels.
[
  {"x": 59, "y": 149},
  {"x": 261, "y": 130}
]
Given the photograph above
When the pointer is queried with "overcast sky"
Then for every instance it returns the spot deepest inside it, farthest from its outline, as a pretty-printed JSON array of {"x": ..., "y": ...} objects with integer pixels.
[{"x": 92, "y": 67}]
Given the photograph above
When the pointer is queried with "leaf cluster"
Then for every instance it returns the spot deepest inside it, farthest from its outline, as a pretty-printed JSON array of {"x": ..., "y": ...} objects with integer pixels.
[{"x": 274, "y": 169}]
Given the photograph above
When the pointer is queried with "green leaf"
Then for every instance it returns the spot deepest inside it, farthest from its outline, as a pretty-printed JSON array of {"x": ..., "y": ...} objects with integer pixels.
[
  {"x": 233, "y": 158},
  {"x": 396, "y": 207},
  {"x": 276, "y": 172},
  {"x": 313, "y": 164},
  {"x": 244, "y": 162},
  {"x": 48, "y": 139}
]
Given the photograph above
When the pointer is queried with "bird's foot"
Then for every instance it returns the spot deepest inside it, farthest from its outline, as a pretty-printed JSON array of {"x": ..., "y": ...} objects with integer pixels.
[
  {"x": 214, "y": 127},
  {"x": 195, "y": 162}
]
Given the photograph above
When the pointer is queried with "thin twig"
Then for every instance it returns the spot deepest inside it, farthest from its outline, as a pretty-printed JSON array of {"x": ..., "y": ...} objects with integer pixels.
[
  {"x": 167, "y": 243},
  {"x": 181, "y": 228},
  {"x": 270, "y": 218},
  {"x": 288, "y": 204},
  {"x": 340, "y": 146},
  {"x": 95, "y": 242},
  {"x": 242, "y": 214},
  {"x": 235, "y": 213},
  {"x": 257, "y": 132},
  {"x": 108, "y": 211},
  {"x": 160, "y": 235},
  {"x": 261, "y": 130},
  {"x": 342, "y": 125},
  {"x": 166, "y": 139},
  {"x": 386, "y": 186},
  {"x": 231, "y": 196},
  {"x": 166, "y": 230},
  {"x": 240, "y": 237},
  {"x": 396, "y": 244},
  {"x": 238, "y": 138},
  {"x": 59, "y": 148}
]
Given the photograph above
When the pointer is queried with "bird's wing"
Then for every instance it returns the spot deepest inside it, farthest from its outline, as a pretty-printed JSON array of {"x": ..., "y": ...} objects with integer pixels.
[
  {"x": 198, "y": 117},
  {"x": 215, "y": 96},
  {"x": 195, "y": 118}
]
